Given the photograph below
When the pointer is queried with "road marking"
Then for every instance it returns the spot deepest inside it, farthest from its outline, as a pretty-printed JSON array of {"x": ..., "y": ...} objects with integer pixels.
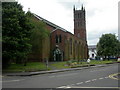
[
  {"x": 13, "y": 80},
  {"x": 79, "y": 83},
  {"x": 112, "y": 76},
  {"x": 67, "y": 87},
  {"x": 93, "y": 79},
  {"x": 61, "y": 87},
  {"x": 100, "y": 78},
  {"x": 106, "y": 77},
  {"x": 87, "y": 87},
  {"x": 96, "y": 87},
  {"x": 87, "y": 81},
  {"x": 72, "y": 85},
  {"x": 64, "y": 87}
]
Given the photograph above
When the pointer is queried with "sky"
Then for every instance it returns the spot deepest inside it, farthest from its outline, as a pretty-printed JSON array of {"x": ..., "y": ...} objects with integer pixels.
[{"x": 101, "y": 15}]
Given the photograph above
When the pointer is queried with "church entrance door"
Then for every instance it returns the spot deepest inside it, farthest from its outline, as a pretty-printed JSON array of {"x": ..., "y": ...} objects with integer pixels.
[{"x": 58, "y": 56}]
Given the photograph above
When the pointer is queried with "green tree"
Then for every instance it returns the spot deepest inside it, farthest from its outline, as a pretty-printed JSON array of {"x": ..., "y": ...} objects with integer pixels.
[
  {"x": 118, "y": 49},
  {"x": 39, "y": 33},
  {"x": 107, "y": 46},
  {"x": 16, "y": 31}
]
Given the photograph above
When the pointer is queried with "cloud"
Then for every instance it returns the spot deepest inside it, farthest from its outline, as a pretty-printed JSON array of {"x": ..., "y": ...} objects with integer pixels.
[{"x": 101, "y": 15}]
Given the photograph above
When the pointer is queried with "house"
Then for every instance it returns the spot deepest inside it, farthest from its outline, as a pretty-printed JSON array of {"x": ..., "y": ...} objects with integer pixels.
[{"x": 92, "y": 51}]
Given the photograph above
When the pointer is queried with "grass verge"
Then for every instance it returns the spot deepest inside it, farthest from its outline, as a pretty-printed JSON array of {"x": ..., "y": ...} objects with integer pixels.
[
  {"x": 31, "y": 66},
  {"x": 39, "y": 66}
]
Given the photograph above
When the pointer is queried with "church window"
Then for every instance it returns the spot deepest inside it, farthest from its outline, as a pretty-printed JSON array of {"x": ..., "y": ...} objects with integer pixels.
[
  {"x": 60, "y": 38},
  {"x": 78, "y": 24},
  {"x": 78, "y": 34},
  {"x": 70, "y": 46},
  {"x": 81, "y": 23},
  {"x": 78, "y": 15},
  {"x": 56, "y": 38}
]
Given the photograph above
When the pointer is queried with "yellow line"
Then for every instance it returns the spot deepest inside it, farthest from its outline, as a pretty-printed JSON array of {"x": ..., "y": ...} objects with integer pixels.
[{"x": 112, "y": 76}]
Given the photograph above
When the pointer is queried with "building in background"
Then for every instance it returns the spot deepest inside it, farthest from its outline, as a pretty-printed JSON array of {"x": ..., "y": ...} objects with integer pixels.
[{"x": 92, "y": 52}]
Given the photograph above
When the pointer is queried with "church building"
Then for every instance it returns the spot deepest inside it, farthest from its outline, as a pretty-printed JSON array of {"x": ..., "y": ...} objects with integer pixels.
[{"x": 62, "y": 45}]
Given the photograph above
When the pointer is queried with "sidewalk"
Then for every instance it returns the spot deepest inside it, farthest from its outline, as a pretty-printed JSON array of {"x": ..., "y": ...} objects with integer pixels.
[{"x": 51, "y": 71}]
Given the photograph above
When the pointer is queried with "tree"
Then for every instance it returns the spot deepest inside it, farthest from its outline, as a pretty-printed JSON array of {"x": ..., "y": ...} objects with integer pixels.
[
  {"x": 118, "y": 49},
  {"x": 16, "y": 31},
  {"x": 39, "y": 34},
  {"x": 107, "y": 46}
]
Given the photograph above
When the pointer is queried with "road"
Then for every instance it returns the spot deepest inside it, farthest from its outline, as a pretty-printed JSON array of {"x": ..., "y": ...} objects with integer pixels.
[{"x": 97, "y": 77}]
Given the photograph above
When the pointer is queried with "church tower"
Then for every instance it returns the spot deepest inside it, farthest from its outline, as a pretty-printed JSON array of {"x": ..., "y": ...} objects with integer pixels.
[{"x": 79, "y": 23}]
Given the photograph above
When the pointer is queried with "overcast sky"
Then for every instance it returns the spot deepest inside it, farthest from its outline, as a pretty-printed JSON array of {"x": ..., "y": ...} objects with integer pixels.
[{"x": 101, "y": 15}]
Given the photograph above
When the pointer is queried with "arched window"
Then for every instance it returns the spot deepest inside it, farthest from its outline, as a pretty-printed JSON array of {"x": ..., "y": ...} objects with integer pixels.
[
  {"x": 70, "y": 46},
  {"x": 56, "y": 38},
  {"x": 78, "y": 15},
  {"x": 60, "y": 38},
  {"x": 78, "y": 24},
  {"x": 78, "y": 34}
]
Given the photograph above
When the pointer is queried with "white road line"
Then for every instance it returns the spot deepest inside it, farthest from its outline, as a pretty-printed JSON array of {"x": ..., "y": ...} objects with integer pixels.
[
  {"x": 61, "y": 87},
  {"x": 67, "y": 87},
  {"x": 64, "y": 87},
  {"x": 87, "y": 81},
  {"x": 13, "y": 80},
  {"x": 100, "y": 78},
  {"x": 106, "y": 77},
  {"x": 72, "y": 85},
  {"x": 79, "y": 83},
  {"x": 93, "y": 79},
  {"x": 96, "y": 87}
]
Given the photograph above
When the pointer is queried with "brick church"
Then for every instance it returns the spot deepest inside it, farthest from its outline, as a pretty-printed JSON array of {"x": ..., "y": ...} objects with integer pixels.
[{"x": 62, "y": 45}]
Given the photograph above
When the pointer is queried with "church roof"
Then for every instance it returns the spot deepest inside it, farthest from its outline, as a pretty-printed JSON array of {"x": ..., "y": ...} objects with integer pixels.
[
  {"x": 54, "y": 25},
  {"x": 50, "y": 23}
]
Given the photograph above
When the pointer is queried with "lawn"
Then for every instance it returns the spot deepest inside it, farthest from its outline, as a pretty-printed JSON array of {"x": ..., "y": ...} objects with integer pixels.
[
  {"x": 100, "y": 62},
  {"x": 31, "y": 66},
  {"x": 60, "y": 65},
  {"x": 39, "y": 66},
  {"x": 70, "y": 64}
]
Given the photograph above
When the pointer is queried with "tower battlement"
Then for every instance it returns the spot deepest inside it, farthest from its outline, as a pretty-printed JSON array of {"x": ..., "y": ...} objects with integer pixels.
[{"x": 79, "y": 23}]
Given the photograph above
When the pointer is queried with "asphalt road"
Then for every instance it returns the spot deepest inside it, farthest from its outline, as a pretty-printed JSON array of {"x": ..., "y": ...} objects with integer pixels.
[{"x": 98, "y": 77}]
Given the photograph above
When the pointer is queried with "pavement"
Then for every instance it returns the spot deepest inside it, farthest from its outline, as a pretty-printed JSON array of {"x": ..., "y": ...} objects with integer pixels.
[{"x": 51, "y": 71}]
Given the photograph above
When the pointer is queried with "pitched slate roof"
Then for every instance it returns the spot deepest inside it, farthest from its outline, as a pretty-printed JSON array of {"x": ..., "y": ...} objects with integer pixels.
[{"x": 50, "y": 23}]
